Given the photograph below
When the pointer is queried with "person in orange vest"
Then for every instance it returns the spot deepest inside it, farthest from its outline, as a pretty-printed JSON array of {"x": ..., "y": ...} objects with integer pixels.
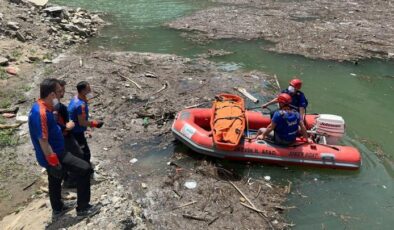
[{"x": 285, "y": 123}]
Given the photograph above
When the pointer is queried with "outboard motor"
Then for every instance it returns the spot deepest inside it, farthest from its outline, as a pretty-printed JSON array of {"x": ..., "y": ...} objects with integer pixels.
[{"x": 331, "y": 127}]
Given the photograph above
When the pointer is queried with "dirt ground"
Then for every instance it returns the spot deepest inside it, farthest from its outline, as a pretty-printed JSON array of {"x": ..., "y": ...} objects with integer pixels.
[
  {"x": 331, "y": 30},
  {"x": 29, "y": 38}
]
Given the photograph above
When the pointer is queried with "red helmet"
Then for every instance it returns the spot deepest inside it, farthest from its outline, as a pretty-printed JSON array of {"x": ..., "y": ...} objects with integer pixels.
[
  {"x": 296, "y": 83},
  {"x": 284, "y": 98}
]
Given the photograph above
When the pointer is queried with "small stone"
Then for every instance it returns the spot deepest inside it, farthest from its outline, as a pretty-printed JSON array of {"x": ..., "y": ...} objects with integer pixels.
[
  {"x": 3, "y": 61},
  {"x": 38, "y": 2},
  {"x": 20, "y": 36},
  {"x": 13, "y": 25},
  {"x": 34, "y": 58},
  {"x": 242, "y": 199},
  {"x": 144, "y": 186},
  {"x": 267, "y": 178},
  {"x": 12, "y": 70}
]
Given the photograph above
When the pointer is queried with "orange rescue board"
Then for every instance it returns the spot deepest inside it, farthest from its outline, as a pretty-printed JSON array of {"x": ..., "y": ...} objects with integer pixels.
[{"x": 227, "y": 121}]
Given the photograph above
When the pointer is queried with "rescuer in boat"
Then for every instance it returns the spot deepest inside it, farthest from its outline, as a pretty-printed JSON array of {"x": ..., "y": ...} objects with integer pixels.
[
  {"x": 285, "y": 123},
  {"x": 79, "y": 112},
  {"x": 298, "y": 102},
  {"x": 48, "y": 142}
]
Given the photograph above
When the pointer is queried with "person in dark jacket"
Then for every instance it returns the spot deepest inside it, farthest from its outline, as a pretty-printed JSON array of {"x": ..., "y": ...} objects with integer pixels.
[{"x": 71, "y": 145}]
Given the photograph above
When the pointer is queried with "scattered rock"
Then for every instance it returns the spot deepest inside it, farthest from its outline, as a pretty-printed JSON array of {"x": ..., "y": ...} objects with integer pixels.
[
  {"x": 144, "y": 186},
  {"x": 13, "y": 25},
  {"x": 38, "y": 2},
  {"x": 3, "y": 61},
  {"x": 54, "y": 11},
  {"x": 34, "y": 58},
  {"x": 12, "y": 70},
  {"x": 20, "y": 36}
]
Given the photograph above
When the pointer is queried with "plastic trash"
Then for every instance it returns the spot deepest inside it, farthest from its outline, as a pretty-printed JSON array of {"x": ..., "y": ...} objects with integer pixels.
[
  {"x": 133, "y": 160},
  {"x": 267, "y": 178},
  {"x": 190, "y": 184}
]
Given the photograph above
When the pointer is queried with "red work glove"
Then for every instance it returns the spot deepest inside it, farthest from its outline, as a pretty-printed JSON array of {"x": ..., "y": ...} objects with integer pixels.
[
  {"x": 96, "y": 124},
  {"x": 52, "y": 159}
]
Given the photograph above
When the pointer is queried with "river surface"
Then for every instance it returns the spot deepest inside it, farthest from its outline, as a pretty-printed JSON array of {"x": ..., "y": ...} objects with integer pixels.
[{"x": 363, "y": 94}]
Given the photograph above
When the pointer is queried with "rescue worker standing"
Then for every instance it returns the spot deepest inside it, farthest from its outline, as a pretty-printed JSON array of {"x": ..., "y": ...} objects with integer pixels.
[
  {"x": 48, "y": 142},
  {"x": 285, "y": 123},
  {"x": 71, "y": 145},
  {"x": 78, "y": 110},
  {"x": 298, "y": 102}
]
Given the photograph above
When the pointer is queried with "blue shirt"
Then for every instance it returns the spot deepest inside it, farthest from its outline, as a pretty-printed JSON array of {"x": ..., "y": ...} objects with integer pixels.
[
  {"x": 298, "y": 100},
  {"x": 77, "y": 107},
  {"x": 42, "y": 125},
  {"x": 286, "y": 124}
]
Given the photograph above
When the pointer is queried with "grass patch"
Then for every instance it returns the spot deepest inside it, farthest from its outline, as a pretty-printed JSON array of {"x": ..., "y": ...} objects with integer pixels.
[
  {"x": 3, "y": 74},
  {"x": 16, "y": 54},
  {"x": 8, "y": 138},
  {"x": 5, "y": 103}
]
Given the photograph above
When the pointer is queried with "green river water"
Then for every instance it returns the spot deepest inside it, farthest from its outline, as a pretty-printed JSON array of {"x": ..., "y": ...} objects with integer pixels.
[{"x": 363, "y": 94}]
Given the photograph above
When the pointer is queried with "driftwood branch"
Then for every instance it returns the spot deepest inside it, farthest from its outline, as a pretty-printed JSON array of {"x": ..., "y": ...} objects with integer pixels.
[
  {"x": 247, "y": 94},
  {"x": 194, "y": 217},
  {"x": 213, "y": 220},
  {"x": 135, "y": 83},
  {"x": 184, "y": 205},
  {"x": 11, "y": 126},
  {"x": 196, "y": 105},
  {"x": 254, "y": 209},
  {"x": 165, "y": 85},
  {"x": 29, "y": 185},
  {"x": 239, "y": 190},
  {"x": 10, "y": 110},
  {"x": 252, "y": 205}
]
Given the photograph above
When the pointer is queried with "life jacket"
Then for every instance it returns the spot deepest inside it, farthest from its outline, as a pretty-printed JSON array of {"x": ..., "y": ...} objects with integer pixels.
[
  {"x": 297, "y": 100},
  {"x": 228, "y": 121},
  {"x": 287, "y": 125}
]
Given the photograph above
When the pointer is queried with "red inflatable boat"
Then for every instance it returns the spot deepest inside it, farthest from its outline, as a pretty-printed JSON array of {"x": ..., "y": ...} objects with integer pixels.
[{"x": 192, "y": 127}]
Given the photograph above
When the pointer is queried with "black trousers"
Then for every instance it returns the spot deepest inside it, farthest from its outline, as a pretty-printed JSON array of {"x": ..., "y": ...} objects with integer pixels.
[
  {"x": 71, "y": 145},
  {"x": 79, "y": 167},
  {"x": 81, "y": 139}
]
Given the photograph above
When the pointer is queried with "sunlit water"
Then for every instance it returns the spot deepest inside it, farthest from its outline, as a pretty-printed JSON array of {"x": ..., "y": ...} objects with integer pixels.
[{"x": 362, "y": 94}]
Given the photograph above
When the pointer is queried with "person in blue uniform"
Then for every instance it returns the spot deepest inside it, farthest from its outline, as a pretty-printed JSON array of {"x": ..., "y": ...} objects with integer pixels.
[
  {"x": 48, "y": 142},
  {"x": 78, "y": 110},
  {"x": 285, "y": 123},
  {"x": 298, "y": 100}
]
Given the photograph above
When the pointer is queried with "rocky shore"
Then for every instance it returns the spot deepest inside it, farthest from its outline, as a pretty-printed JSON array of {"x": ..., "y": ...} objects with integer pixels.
[{"x": 322, "y": 29}]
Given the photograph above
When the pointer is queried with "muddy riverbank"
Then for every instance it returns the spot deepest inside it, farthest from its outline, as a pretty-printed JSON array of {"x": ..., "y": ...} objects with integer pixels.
[
  {"x": 330, "y": 30},
  {"x": 137, "y": 96}
]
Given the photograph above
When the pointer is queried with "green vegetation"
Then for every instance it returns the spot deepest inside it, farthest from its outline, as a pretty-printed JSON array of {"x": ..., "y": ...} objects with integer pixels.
[
  {"x": 16, "y": 54},
  {"x": 3, "y": 74},
  {"x": 8, "y": 138}
]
